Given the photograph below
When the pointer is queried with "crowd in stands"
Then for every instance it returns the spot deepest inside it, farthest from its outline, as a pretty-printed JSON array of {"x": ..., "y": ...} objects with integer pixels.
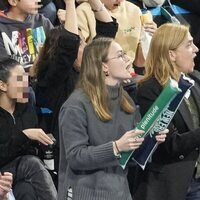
[{"x": 96, "y": 66}]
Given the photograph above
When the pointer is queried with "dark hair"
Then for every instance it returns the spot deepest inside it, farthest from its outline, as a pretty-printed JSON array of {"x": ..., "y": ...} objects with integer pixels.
[
  {"x": 5, "y": 4},
  {"x": 5, "y": 66},
  {"x": 49, "y": 49}
]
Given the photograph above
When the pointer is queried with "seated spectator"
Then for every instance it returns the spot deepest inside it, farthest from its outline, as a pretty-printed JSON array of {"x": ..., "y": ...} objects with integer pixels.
[
  {"x": 19, "y": 134},
  {"x": 22, "y": 31},
  {"x": 129, "y": 31}
]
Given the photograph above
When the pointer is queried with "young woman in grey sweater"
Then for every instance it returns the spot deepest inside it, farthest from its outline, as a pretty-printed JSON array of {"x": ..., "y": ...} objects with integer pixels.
[{"x": 96, "y": 124}]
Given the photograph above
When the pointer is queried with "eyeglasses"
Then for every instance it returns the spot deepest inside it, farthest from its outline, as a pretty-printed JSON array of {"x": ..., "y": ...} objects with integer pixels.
[{"x": 123, "y": 55}]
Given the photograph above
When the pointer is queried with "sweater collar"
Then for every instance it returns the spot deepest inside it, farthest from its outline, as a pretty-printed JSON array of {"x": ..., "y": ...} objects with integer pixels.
[{"x": 113, "y": 91}]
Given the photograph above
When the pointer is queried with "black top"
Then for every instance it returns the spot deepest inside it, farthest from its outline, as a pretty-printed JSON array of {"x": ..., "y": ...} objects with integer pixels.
[
  {"x": 173, "y": 162},
  {"x": 57, "y": 78},
  {"x": 13, "y": 142}
]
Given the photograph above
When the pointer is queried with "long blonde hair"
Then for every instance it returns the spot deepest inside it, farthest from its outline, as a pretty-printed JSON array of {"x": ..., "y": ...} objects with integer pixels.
[
  {"x": 158, "y": 63},
  {"x": 92, "y": 79}
]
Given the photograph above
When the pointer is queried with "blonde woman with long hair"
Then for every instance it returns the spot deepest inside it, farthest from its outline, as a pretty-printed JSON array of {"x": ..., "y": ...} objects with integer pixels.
[{"x": 172, "y": 167}]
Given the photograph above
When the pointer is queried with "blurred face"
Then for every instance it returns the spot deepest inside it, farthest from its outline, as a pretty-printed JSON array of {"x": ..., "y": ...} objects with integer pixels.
[
  {"x": 184, "y": 55},
  {"x": 27, "y": 6},
  {"x": 111, "y": 4},
  {"x": 118, "y": 65},
  {"x": 17, "y": 85}
]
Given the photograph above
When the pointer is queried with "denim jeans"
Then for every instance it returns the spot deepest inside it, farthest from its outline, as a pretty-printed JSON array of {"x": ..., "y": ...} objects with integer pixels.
[
  {"x": 31, "y": 171},
  {"x": 194, "y": 190},
  {"x": 49, "y": 11}
]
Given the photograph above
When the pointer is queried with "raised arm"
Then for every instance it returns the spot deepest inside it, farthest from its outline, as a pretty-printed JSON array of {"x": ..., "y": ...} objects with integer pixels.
[
  {"x": 70, "y": 17},
  {"x": 106, "y": 26},
  {"x": 100, "y": 12}
]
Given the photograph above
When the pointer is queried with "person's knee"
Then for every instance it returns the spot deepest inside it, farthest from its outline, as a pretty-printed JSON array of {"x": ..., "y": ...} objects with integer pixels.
[
  {"x": 32, "y": 162},
  {"x": 24, "y": 191}
]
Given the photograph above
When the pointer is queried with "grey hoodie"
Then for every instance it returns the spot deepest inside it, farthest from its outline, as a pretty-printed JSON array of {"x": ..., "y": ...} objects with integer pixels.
[{"x": 21, "y": 40}]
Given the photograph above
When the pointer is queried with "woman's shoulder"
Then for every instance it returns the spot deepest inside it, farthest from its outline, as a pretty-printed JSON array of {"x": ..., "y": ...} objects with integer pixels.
[
  {"x": 77, "y": 104},
  {"x": 76, "y": 99},
  {"x": 149, "y": 83},
  {"x": 149, "y": 87}
]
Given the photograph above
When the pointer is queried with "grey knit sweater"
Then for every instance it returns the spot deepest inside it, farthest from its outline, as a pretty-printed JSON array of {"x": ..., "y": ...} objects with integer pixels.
[{"x": 87, "y": 161}]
